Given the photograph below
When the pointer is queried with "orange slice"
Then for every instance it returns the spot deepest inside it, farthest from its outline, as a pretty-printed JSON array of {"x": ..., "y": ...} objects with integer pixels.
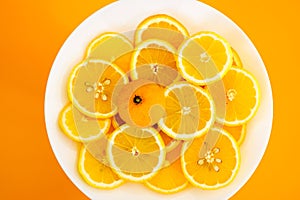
[
  {"x": 238, "y": 132},
  {"x": 135, "y": 154},
  {"x": 162, "y": 27},
  {"x": 111, "y": 47},
  {"x": 168, "y": 180},
  {"x": 80, "y": 127},
  {"x": 154, "y": 60},
  {"x": 217, "y": 168},
  {"x": 95, "y": 172},
  {"x": 91, "y": 87},
  {"x": 242, "y": 97},
  {"x": 204, "y": 58},
  {"x": 190, "y": 111}
]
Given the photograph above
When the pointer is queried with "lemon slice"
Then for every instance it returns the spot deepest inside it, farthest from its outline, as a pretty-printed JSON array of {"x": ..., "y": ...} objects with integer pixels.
[
  {"x": 162, "y": 27},
  {"x": 91, "y": 86},
  {"x": 190, "y": 111},
  {"x": 135, "y": 154},
  {"x": 96, "y": 173},
  {"x": 242, "y": 97},
  {"x": 154, "y": 60},
  {"x": 217, "y": 168},
  {"x": 80, "y": 127},
  {"x": 204, "y": 58}
]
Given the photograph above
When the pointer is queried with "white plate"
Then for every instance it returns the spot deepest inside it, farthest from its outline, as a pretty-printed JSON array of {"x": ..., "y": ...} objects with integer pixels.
[{"x": 123, "y": 16}]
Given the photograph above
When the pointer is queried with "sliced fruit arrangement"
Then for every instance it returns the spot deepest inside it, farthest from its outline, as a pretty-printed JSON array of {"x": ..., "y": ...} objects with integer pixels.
[{"x": 149, "y": 110}]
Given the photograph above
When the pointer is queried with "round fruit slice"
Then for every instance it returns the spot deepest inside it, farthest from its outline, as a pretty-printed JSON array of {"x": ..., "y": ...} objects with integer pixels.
[
  {"x": 219, "y": 165},
  {"x": 80, "y": 127},
  {"x": 111, "y": 47},
  {"x": 238, "y": 132},
  {"x": 236, "y": 62},
  {"x": 91, "y": 86},
  {"x": 204, "y": 58},
  {"x": 168, "y": 180},
  {"x": 190, "y": 111},
  {"x": 135, "y": 154},
  {"x": 141, "y": 103},
  {"x": 96, "y": 173},
  {"x": 154, "y": 60},
  {"x": 162, "y": 27},
  {"x": 242, "y": 97}
]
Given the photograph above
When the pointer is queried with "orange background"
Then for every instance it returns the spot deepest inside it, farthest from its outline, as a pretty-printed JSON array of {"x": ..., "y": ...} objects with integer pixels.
[{"x": 33, "y": 31}]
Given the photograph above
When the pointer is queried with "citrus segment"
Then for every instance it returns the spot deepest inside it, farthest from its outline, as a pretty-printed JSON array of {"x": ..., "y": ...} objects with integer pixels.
[
  {"x": 96, "y": 173},
  {"x": 135, "y": 154},
  {"x": 190, "y": 111},
  {"x": 91, "y": 86},
  {"x": 80, "y": 127},
  {"x": 162, "y": 27},
  {"x": 168, "y": 180},
  {"x": 154, "y": 60},
  {"x": 236, "y": 60},
  {"x": 219, "y": 165},
  {"x": 238, "y": 132},
  {"x": 204, "y": 58},
  {"x": 242, "y": 97}
]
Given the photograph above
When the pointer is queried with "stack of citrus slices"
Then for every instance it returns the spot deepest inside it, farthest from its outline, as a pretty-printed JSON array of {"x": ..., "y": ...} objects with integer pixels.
[{"x": 167, "y": 110}]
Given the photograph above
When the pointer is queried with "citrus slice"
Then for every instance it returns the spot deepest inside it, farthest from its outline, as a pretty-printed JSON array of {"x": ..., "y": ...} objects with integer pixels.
[
  {"x": 242, "y": 97},
  {"x": 80, "y": 127},
  {"x": 154, "y": 60},
  {"x": 169, "y": 179},
  {"x": 91, "y": 86},
  {"x": 217, "y": 168},
  {"x": 236, "y": 62},
  {"x": 204, "y": 58},
  {"x": 190, "y": 111},
  {"x": 135, "y": 154},
  {"x": 111, "y": 47},
  {"x": 96, "y": 173},
  {"x": 238, "y": 132},
  {"x": 162, "y": 27}
]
